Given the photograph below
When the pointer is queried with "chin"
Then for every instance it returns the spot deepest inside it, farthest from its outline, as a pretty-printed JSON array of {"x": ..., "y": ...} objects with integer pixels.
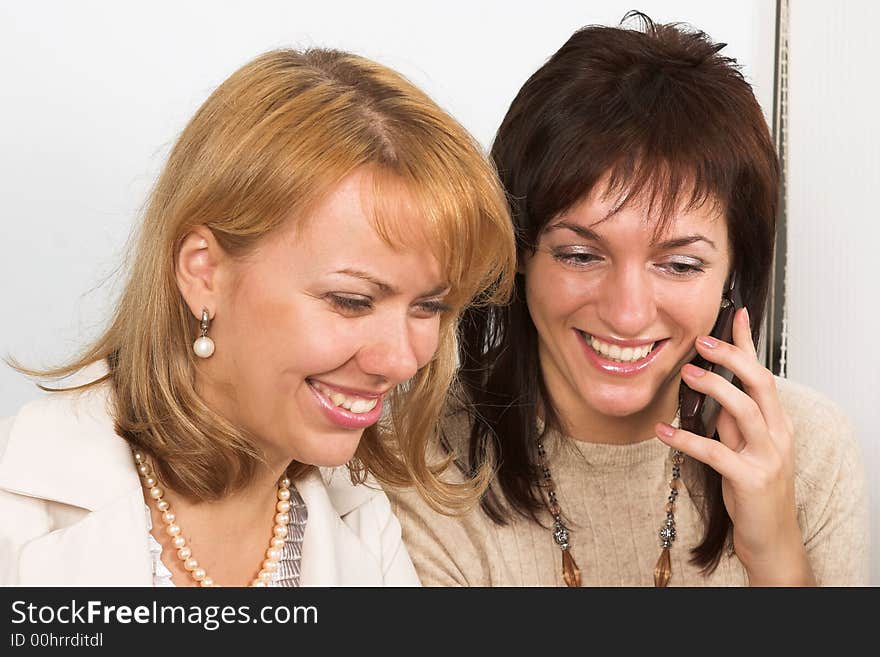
[
  {"x": 619, "y": 402},
  {"x": 329, "y": 451}
]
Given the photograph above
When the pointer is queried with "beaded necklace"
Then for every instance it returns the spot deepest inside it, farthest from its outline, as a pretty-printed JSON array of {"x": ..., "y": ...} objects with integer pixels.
[
  {"x": 184, "y": 552},
  {"x": 562, "y": 535}
]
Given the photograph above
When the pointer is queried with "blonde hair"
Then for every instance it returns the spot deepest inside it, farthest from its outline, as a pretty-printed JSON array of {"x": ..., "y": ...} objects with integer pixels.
[{"x": 269, "y": 143}]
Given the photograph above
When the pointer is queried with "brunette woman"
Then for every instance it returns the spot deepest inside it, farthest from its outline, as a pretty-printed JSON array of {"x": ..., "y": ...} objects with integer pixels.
[{"x": 644, "y": 189}]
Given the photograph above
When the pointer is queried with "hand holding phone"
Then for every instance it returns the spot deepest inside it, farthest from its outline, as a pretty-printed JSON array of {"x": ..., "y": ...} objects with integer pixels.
[
  {"x": 699, "y": 413},
  {"x": 752, "y": 450}
]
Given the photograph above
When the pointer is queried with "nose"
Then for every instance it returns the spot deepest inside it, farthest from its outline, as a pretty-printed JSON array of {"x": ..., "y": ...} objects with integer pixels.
[
  {"x": 627, "y": 305},
  {"x": 389, "y": 353}
]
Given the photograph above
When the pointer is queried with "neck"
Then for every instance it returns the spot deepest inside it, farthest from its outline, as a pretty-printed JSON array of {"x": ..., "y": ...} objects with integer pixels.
[
  {"x": 228, "y": 536},
  {"x": 590, "y": 425},
  {"x": 239, "y": 510}
]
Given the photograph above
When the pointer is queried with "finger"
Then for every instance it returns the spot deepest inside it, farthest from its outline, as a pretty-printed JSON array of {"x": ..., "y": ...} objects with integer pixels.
[
  {"x": 749, "y": 418},
  {"x": 729, "y": 433},
  {"x": 742, "y": 332},
  {"x": 758, "y": 382},
  {"x": 717, "y": 456},
  {"x": 763, "y": 388},
  {"x": 742, "y": 363}
]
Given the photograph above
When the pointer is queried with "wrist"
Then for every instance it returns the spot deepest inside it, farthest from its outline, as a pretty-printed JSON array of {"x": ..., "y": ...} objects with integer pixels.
[{"x": 785, "y": 566}]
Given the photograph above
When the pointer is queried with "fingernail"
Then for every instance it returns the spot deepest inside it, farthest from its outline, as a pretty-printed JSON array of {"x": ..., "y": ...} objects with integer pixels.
[
  {"x": 708, "y": 341},
  {"x": 693, "y": 370},
  {"x": 665, "y": 430},
  {"x": 746, "y": 315}
]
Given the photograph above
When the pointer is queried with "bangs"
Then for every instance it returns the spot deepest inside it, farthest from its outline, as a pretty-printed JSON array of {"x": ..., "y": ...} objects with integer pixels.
[
  {"x": 663, "y": 188},
  {"x": 668, "y": 167},
  {"x": 444, "y": 216},
  {"x": 673, "y": 132}
]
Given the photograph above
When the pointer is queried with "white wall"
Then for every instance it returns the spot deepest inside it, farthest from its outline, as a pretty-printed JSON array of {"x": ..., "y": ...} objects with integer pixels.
[
  {"x": 94, "y": 94},
  {"x": 833, "y": 217}
]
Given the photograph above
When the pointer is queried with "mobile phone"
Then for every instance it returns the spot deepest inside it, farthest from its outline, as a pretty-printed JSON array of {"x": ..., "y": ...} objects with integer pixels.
[{"x": 699, "y": 413}]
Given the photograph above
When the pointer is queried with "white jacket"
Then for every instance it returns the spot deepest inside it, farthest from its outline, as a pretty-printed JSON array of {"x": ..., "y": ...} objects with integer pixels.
[{"x": 72, "y": 511}]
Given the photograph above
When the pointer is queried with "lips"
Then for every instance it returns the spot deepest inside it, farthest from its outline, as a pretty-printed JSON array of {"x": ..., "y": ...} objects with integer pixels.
[
  {"x": 346, "y": 408},
  {"x": 608, "y": 363}
]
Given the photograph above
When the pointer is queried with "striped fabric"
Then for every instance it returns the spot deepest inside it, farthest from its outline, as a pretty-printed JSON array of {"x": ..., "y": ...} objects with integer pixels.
[{"x": 288, "y": 571}]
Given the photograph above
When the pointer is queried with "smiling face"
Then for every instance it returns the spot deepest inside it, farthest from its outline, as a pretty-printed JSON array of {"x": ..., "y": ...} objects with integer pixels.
[
  {"x": 316, "y": 325},
  {"x": 617, "y": 309}
]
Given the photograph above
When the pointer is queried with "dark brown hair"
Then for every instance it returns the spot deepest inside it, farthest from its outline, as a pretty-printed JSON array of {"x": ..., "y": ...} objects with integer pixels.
[{"x": 668, "y": 119}]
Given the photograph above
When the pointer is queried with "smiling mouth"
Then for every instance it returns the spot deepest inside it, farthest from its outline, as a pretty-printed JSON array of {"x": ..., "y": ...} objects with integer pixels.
[
  {"x": 617, "y": 353},
  {"x": 351, "y": 403}
]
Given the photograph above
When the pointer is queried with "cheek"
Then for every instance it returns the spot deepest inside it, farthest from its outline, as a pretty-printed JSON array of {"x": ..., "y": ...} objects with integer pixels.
[
  {"x": 290, "y": 334},
  {"x": 425, "y": 340},
  {"x": 327, "y": 341},
  {"x": 552, "y": 292},
  {"x": 694, "y": 309},
  {"x": 540, "y": 280}
]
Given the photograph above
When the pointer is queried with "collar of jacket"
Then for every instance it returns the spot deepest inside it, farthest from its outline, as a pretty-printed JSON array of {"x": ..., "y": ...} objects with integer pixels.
[
  {"x": 79, "y": 459},
  {"x": 84, "y": 463}
]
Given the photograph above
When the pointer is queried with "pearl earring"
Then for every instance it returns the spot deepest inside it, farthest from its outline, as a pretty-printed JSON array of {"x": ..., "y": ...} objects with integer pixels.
[{"x": 204, "y": 346}]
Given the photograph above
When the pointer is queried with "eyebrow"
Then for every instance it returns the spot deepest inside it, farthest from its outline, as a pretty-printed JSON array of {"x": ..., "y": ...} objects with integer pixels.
[
  {"x": 582, "y": 231},
  {"x": 678, "y": 242},
  {"x": 674, "y": 243},
  {"x": 386, "y": 288}
]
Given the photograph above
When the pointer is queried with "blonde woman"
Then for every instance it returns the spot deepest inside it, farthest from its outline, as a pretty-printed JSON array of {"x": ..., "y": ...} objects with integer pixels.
[{"x": 304, "y": 258}]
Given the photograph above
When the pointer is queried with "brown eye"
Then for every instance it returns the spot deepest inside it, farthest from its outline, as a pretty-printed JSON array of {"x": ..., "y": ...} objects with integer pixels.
[
  {"x": 350, "y": 304},
  {"x": 433, "y": 308},
  {"x": 577, "y": 259},
  {"x": 679, "y": 268}
]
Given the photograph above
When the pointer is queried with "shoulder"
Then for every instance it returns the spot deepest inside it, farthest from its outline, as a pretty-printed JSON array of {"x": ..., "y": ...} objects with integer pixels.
[
  {"x": 809, "y": 410},
  {"x": 830, "y": 486},
  {"x": 453, "y": 438},
  {"x": 63, "y": 415},
  {"x": 447, "y": 550},
  {"x": 56, "y": 419},
  {"x": 825, "y": 440},
  {"x": 54, "y": 444},
  {"x": 824, "y": 436},
  {"x": 5, "y": 430}
]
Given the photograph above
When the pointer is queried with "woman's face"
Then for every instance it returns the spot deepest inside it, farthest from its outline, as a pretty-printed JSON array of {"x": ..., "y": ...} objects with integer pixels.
[
  {"x": 317, "y": 325},
  {"x": 617, "y": 311}
]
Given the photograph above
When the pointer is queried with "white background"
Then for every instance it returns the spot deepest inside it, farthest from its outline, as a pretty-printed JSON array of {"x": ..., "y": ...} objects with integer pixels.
[
  {"x": 95, "y": 93},
  {"x": 833, "y": 220}
]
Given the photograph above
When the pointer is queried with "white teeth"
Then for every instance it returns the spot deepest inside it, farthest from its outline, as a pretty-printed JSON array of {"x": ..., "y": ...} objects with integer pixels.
[
  {"x": 359, "y": 406},
  {"x": 614, "y": 352},
  {"x": 353, "y": 404}
]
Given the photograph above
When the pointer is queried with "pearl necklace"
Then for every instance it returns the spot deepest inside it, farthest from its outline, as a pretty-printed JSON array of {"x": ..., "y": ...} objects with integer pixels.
[{"x": 184, "y": 552}]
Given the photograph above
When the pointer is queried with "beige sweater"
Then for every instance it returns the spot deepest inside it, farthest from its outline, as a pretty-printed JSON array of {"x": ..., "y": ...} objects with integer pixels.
[{"x": 614, "y": 497}]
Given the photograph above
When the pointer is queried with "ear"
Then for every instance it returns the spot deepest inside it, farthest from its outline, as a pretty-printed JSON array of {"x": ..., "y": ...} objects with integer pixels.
[{"x": 197, "y": 270}]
